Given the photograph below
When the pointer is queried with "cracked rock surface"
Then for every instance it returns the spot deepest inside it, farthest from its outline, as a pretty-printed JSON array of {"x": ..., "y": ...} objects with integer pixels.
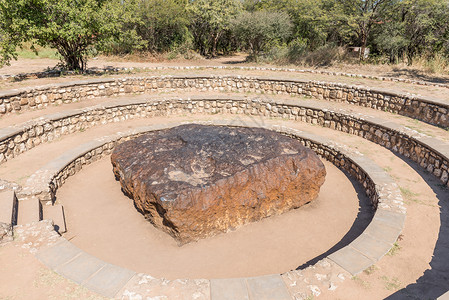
[{"x": 195, "y": 181}]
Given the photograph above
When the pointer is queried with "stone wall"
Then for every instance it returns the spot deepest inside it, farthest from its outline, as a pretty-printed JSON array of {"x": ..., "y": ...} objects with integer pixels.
[
  {"x": 46, "y": 181},
  {"x": 6, "y": 233},
  {"x": 350, "y": 260},
  {"x": 429, "y": 110},
  {"x": 117, "y": 70},
  {"x": 430, "y": 153},
  {"x": 324, "y": 150},
  {"x": 379, "y": 186}
]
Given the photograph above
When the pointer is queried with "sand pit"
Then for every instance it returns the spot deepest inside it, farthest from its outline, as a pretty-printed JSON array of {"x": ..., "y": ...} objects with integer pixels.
[{"x": 103, "y": 222}]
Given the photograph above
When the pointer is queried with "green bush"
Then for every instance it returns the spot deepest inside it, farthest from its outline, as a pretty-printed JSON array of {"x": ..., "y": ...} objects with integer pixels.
[{"x": 260, "y": 30}]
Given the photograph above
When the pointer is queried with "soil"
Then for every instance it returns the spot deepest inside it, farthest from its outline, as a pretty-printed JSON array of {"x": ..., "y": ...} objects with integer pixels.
[
  {"x": 36, "y": 65},
  {"x": 22, "y": 276},
  {"x": 417, "y": 263},
  {"x": 26, "y": 65},
  {"x": 104, "y": 222}
]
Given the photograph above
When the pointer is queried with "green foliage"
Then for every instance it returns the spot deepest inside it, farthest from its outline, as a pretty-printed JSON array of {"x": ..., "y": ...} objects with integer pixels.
[
  {"x": 164, "y": 24},
  {"x": 261, "y": 29},
  {"x": 123, "y": 37},
  {"x": 426, "y": 26},
  {"x": 394, "y": 250},
  {"x": 391, "y": 284},
  {"x": 307, "y": 32},
  {"x": 308, "y": 18},
  {"x": 211, "y": 22},
  {"x": 71, "y": 27},
  {"x": 358, "y": 18}
]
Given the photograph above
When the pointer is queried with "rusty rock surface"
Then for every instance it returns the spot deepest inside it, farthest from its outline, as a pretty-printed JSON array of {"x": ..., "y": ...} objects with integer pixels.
[{"x": 195, "y": 181}]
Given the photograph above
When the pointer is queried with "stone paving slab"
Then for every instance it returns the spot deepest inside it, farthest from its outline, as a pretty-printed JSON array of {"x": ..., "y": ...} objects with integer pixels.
[
  {"x": 270, "y": 287},
  {"x": 229, "y": 289},
  {"x": 10, "y": 131},
  {"x": 73, "y": 263},
  {"x": 80, "y": 268},
  {"x": 393, "y": 219},
  {"x": 63, "y": 114},
  {"x": 59, "y": 254},
  {"x": 8, "y": 207},
  {"x": 109, "y": 280},
  {"x": 371, "y": 247},
  {"x": 29, "y": 211},
  {"x": 351, "y": 260},
  {"x": 55, "y": 213},
  {"x": 383, "y": 231}
]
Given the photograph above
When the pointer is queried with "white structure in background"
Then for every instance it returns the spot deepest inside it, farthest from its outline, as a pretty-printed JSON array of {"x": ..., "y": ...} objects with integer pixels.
[{"x": 358, "y": 51}]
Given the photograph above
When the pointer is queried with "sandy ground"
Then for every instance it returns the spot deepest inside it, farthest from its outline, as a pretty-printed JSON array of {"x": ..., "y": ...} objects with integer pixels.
[
  {"x": 420, "y": 127},
  {"x": 22, "y": 276},
  {"x": 426, "y": 202},
  {"x": 24, "y": 65},
  {"x": 34, "y": 65},
  {"x": 104, "y": 222},
  {"x": 417, "y": 264}
]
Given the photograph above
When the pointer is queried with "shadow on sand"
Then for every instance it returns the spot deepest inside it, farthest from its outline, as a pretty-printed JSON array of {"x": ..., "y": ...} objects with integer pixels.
[
  {"x": 435, "y": 281},
  {"x": 364, "y": 217},
  {"x": 416, "y": 75}
]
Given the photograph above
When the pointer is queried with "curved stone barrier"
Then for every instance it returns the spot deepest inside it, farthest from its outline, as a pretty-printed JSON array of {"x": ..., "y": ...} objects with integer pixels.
[
  {"x": 431, "y": 154},
  {"x": 368, "y": 248},
  {"x": 429, "y": 110},
  {"x": 102, "y": 71}
]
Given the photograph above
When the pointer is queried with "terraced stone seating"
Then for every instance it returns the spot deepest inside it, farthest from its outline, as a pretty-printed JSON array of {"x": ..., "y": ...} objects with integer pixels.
[
  {"x": 36, "y": 198},
  {"x": 375, "y": 242}
]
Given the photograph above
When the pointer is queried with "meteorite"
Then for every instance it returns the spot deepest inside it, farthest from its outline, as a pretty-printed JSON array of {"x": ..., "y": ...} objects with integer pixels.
[{"x": 195, "y": 181}]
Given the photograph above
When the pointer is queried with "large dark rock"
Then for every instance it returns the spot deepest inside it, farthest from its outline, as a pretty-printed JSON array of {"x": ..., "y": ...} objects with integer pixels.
[{"x": 195, "y": 181}]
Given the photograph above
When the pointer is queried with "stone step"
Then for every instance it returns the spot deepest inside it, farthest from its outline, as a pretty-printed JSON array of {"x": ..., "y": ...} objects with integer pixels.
[
  {"x": 55, "y": 213},
  {"x": 8, "y": 207},
  {"x": 269, "y": 287},
  {"x": 30, "y": 210}
]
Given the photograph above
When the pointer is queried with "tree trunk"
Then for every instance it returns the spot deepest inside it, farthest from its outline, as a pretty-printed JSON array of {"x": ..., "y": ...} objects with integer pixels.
[
  {"x": 214, "y": 44},
  {"x": 73, "y": 60},
  {"x": 364, "y": 40}
]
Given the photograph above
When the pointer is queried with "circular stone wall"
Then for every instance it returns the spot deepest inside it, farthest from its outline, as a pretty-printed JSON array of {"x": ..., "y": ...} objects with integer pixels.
[{"x": 121, "y": 236}]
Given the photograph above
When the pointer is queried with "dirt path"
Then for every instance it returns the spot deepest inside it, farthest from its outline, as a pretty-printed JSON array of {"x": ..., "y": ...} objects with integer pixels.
[
  {"x": 33, "y": 65},
  {"x": 22, "y": 276}
]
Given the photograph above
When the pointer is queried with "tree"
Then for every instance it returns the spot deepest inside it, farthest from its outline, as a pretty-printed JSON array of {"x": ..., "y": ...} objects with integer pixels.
[
  {"x": 122, "y": 29},
  {"x": 426, "y": 26},
  {"x": 260, "y": 29},
  {"x": 210, "y": 20},
  {"x": 412, "y": 28},
  {"x": 360, "y": 16},
  {"x": 164, "y": 23},
  {"x": 391, "y": 41},
  {"x": 70, "y": 26},
  {"x": 309, "y": 19}
]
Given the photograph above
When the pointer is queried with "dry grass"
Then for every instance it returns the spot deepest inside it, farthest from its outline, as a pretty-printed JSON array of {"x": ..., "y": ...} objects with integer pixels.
[{"x": 148, "y": 57}]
